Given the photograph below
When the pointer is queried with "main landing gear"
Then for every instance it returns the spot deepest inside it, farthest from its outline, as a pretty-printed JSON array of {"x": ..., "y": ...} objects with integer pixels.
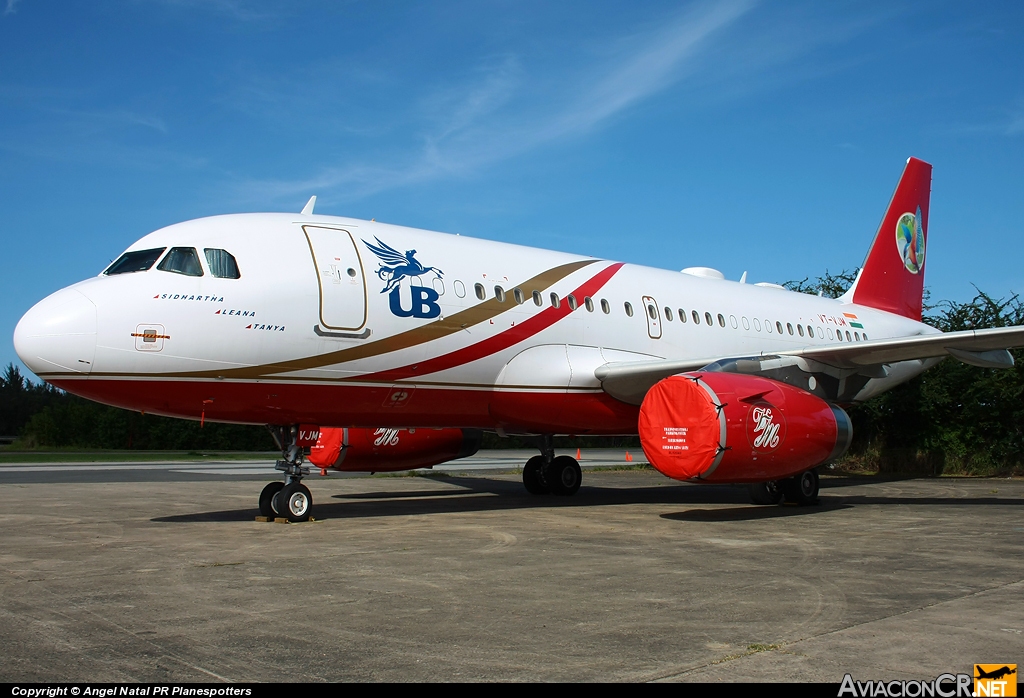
[
  {"x": 801, "y": 489},
  {"x": 559, "y": 475},
  {"x": 289, "y": 499}
]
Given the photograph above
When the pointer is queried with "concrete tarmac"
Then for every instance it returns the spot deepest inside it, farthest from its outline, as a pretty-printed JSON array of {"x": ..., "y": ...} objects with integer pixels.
[{"x": 464, "y": 576}]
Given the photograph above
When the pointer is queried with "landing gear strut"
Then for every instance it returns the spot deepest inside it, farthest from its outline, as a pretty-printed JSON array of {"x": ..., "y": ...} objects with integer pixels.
[
  {"x": 559, "y": 475},
  {"x": 289, "y": 499}
]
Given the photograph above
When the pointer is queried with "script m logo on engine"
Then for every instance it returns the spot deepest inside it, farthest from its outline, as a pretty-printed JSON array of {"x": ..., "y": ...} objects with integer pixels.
[
  {"x": 995, "y": 680},
  {"x": 395, "y": 266}
]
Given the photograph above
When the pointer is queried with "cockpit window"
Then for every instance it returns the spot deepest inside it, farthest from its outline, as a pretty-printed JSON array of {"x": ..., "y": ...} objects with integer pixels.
[
  {"x": 139, "y": 260},
  {"x": 182, "y": 260},
  {"x": 222, "y": 264}
]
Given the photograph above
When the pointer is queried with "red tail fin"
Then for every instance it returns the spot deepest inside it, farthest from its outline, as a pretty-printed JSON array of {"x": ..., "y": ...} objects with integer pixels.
[{"x": 892, "y": 278}]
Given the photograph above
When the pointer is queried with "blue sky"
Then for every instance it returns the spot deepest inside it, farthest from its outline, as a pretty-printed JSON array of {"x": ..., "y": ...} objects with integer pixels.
[{"x": 741, "y": 135}]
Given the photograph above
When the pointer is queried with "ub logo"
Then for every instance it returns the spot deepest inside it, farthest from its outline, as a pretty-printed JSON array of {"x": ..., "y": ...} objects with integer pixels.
[{"x": 395, "y": 266}]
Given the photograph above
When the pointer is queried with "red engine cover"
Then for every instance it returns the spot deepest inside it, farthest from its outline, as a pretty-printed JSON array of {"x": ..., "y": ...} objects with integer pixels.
[
  {"x": 388, "y": 450},
  {"x": 728, "y": 427}
]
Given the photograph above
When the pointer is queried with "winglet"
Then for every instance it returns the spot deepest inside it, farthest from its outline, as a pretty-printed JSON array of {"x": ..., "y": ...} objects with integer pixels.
[
  {"x": 307, "y": 210},
  {"x": 892, "y": 277}
]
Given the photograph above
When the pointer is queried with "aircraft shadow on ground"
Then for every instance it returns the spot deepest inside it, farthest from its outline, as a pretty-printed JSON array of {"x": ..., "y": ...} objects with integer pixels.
[{"x": 484, "y": 494}]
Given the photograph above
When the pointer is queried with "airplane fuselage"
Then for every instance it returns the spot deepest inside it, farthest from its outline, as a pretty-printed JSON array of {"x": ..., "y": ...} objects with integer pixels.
[{"x": 342, "y": 322}]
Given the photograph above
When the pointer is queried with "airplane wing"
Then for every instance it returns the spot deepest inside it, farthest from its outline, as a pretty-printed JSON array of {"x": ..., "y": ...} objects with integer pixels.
[{"x": 630, "y": 381}]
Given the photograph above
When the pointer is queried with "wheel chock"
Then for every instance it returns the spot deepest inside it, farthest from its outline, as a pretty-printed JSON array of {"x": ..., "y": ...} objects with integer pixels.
[
  {"x": 281, "y": 519},
  {"x": 264, "y": 519}
]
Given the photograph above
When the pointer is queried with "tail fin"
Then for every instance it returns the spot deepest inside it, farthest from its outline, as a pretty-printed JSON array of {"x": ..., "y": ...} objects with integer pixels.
[{"x": 892, "y": 278}]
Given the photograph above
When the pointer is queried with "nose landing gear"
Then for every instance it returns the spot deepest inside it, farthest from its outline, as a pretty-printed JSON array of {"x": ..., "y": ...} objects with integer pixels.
[{"x": 289, "y": 499}]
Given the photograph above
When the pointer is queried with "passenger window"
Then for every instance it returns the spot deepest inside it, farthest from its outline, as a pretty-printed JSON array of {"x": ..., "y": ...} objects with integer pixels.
[
  {"x": 499, "y": 293},
  {"x": 789, "y": 326},
  {"x": 223, "y": 265},
  {"x": 778, "y": 326},
  {"x": 856, "y": 335},
  {"x": 732, "y": 321},
  {"x": 848, "y": 339},
  {"x": 830, "y": 333},
  {"x": 682, "y": 315},
  {"x": 605, "y": 307},
  {"x": 800, "y": 330},
  {"x": 707, "y": 316},
  {"x": 480, "y": 292},
  {"x": 589, "y": 303},
  {"x": 757, "y": 324},
  {"x": 182, "y": 260},
  {"x": 628, "y": 308},
  {"x": 810, "y": 331},
  {"x": 721, "y": 320},
  {"x": 460, "y": 289},
  {"x": 554, "y": 300},
  {"x": 864, "y": 337},
  {"x": 652, "y": 311},
  {"x": 696, "y": 318},
  {"x": 768, "y": 326},
  {"x": 140, "y": 260},
  {"x": 572, "y": 301},
  {"x": 668, "y": 313},
  {"x": 518, "y": 295},
  {"x": 746, "y": 322},
  {"x": 821, "y": 335},
  {"x": 538, "y": 299},
  {"x": 839, "y": 335}
]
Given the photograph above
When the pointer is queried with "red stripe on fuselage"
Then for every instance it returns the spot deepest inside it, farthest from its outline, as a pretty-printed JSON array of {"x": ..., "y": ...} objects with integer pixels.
[{"x": 503, "y": 340}]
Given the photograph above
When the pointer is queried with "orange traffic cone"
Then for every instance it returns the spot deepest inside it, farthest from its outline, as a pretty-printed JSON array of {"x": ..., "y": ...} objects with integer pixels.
[
  {"x": 629, "y": 458},
  {"x": 577, "y": 454},
  {"x": 323, "y": 472}
]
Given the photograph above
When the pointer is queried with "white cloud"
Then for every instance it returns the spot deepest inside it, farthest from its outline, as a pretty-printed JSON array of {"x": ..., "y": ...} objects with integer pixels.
[
  {"x": 12, "y": 7},
  {"x": 505, "y": 112}
]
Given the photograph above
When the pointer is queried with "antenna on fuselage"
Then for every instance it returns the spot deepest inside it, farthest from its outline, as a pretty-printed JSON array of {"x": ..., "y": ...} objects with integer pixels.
[
  {"x": 307, "y": 210},
  {"x": 743, "y": 279}
]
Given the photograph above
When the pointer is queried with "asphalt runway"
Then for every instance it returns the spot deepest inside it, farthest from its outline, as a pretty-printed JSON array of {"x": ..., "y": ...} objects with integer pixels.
[{"x": 463, "y": 576}]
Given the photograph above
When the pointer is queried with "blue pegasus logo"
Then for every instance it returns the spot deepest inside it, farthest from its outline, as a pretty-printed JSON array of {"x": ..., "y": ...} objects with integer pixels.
[
  {"x": 401, "y": 265},
  {"x": 395, "y": 266}
]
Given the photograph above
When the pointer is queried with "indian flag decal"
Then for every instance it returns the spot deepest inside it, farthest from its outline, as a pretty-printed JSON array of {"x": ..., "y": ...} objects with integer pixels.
[{"x": 853, "y": 320}]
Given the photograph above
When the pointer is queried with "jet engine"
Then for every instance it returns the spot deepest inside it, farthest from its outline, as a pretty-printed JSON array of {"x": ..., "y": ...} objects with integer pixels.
[
  {"x": 389, "y": 450},
  {"x": 727, "y": 427}
]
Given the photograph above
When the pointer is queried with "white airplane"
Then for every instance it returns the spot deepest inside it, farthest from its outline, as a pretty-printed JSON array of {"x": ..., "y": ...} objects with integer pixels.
[{"x": 307, "y": 321}]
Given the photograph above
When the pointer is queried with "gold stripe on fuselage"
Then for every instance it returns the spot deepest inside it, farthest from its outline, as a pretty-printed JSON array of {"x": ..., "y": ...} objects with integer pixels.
[{"x": 442, "y": 327}]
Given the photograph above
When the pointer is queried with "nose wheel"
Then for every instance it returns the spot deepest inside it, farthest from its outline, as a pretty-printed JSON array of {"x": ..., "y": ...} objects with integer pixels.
[
  {"x": 289, "y": 499},
  {"x": 268, "y": 499}
]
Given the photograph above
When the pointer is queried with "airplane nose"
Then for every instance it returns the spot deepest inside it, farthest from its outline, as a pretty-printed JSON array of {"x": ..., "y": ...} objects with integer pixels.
[{"x": 58, "y": 334}]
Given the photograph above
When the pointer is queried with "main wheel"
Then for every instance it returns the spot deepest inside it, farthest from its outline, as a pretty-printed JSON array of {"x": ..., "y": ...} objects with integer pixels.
[
  {"x": 802, "y": 489},
  {"x": 267, "y": 503},
  {"x": 765, "y": 492},
  {"x": 533, "y": 476},
  {"x": 295, "y": 502},
  {"x": 564, "y": 476}
]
